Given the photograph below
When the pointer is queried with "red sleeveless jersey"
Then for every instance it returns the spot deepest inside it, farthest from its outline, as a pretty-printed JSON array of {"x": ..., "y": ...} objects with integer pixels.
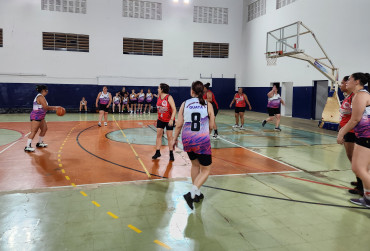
[
  {"x": 346, "y": 111},
  {"x": 240, "y": 100},
  {"x": 213, "y": 98},
  {"x": 164, "y": 109}
]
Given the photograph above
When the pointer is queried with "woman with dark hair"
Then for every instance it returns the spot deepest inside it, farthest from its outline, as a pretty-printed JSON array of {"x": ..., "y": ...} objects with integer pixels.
[
  {"x": 148, "y": 100},
  {"x": 37, "y": 117},
  {"x": 141, "y": 100},
  {"x": 349, "y": 139},
  {"x": 241, "y": 103},
  {"x": 210, "y": 97},
  {"x": 83, "y": 104},
  {"x": 133, "y": 100},
  {"x": 196, "y": 120},
  {"x": 103, "y": 101},
  {"x": 125, "y": 102},
  {"x": 360, "y": 122},
  {"x": 273, "y": 107},
  {"x": 166, "y": 117},
  {"x": 116, "y": 102}
]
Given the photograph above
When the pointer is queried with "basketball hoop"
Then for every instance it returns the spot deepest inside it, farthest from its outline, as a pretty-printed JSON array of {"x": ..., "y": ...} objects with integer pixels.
[{"x": 271, "y": 57}]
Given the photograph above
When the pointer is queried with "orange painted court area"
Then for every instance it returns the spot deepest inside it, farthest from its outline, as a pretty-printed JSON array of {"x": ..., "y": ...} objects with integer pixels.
[{"x": 82, "y": 150}]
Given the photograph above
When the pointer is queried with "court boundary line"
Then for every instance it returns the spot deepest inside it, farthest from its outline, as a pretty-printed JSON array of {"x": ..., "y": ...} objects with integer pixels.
[
  {"x": 15, "y": 142},
  {"x": 278, "y": 161}
]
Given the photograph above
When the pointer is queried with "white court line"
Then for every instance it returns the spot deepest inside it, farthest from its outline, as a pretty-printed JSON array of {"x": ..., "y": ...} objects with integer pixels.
[
  {"x": 260, "y": 154},
  {"x": 14, "y": 143}
]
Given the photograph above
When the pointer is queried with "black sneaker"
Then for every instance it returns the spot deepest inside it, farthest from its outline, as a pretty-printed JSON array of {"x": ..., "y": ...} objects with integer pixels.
[
  {"x": 354, "y": 183},
  {"x": 361, "y": 202},
  {"x": 41, "y": 145},
  {"x": 356, "y": 191},
  {"x": 189, "y": 200},
  {"x": 198, "y": 198},
  {"x": 277, "y": 129},
  {"x": 172, "y": 158},
  {"x": 264, "y": 123},
  {"x": 156, "y": 155}
]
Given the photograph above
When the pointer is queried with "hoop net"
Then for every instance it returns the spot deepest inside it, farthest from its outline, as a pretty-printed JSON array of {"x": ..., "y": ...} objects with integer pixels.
[{"x": 271, "y": 57}]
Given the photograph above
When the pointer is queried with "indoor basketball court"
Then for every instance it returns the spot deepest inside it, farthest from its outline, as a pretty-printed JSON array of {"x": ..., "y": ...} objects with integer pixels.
[{"x": 272, "y": 186}]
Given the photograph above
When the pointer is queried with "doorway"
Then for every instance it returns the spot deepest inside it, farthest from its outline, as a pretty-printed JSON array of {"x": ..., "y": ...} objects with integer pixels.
[
  {"x": 287, "y": 96},
  {"x": 320, "y": 96}
]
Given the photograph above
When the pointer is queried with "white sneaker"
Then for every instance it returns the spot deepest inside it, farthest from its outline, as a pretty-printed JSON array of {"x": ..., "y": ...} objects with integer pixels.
[
  {"x": 242, "y": 128},
  {"x": 99, "y": 124},
  {"x": 105, "y": 123},
  {"x": 29, "y": 149},
  {"x": 235, "y": 126},
  {"x": 42, "y": 144},
  {"x": 215, "y": 136}
]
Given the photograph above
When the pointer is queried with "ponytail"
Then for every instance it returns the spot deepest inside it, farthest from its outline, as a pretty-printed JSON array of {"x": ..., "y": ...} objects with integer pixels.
[
  {"x": 363, "y": 77},
  {"x": 367, "y": 75},
  {"x": 198, "y": 89}
]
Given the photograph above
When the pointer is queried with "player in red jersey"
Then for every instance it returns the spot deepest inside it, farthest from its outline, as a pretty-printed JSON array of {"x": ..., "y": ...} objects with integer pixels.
[
  {"x": 166, "y": 119},
  {"x": 241, "y": 103}
]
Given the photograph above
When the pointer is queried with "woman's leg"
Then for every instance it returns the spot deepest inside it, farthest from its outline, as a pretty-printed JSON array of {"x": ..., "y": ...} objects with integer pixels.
[
  {"x": 101, "y": 114},
  {"x": 241, "y": 115},
  {"x": 277, "y": 122},
  {"x": 106, "y": 116}
]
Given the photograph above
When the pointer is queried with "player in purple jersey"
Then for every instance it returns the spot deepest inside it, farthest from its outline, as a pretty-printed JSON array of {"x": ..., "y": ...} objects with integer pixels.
[
  {"x": 140, "y": 101},
  {"x": 360, "y": 122},
  {"x": 196, "y": 119},
  {"x": 37, "y": 117},
  {"x": 103, "y": 101},
  {"x": 273, "y": 107},
  {"x": 148, "y": 101}
]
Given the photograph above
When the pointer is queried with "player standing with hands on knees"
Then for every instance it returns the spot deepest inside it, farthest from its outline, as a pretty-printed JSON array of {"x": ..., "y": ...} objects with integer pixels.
[{"x": 196, "y": 120}]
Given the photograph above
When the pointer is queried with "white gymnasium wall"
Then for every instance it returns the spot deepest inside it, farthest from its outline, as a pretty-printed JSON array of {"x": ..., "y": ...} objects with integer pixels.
[
  {"x": 23, "y": 22},
  {"x": 339, "y": 25}
]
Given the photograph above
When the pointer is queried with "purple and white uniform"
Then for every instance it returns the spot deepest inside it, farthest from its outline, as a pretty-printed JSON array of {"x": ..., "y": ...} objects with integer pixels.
[
  {"x": 195, "y": 132},
  {"x": 115, "y": 100},
  {"x": 38, "y": 113},
  {"x": 104, "y": 98},
  {"x": 274, "y": 101},
  {"x": 362, "y": 129},
  {"x": 125, "y": 100},
  {"x": 141, "y": 98},
  {"x": 149, "y": 97}
]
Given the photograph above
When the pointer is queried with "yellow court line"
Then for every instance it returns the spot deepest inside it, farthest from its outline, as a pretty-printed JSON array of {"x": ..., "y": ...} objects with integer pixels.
[
  {"x": 83, "y": 193},
  {"x": 95, "y": 203},
  {"x": 63, "y": 171},
  {"x": 162, "y": 244},
  {"x": 58, "y": 155},
  {"x": 135, "y": 229},
  {"x": 59, "y": 160},
  {"x": 113, "y": 215},
  {"x": 60, "y": 165},
  {"x": 67, "y": 178},
  {"x": 124, "y": 135},
  {"x": 73, "y": 184}
]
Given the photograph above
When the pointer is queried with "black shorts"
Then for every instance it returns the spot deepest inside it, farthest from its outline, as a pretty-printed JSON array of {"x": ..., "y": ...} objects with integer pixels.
[
  {"x": 350, "y": 137},
  {"x": 239, "y": 109},
  {"x": 215, "y": 110},
  {"x": 162, "y": 125},
  {"x": 365, "y": 142},
  {"x": 204, "y": 159},
  {"x": 149, "y": 103},
  {"x": 133, "y": 102},
  {"x": 103, "y": 108},
  {"x": 273, "y": 111}
]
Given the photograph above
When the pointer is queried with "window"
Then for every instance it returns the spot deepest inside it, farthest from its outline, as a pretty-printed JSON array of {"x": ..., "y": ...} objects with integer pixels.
[
  {"x": 73, "y": 6},
  {"x": 1, "y": 37},
  {"x": 211, "y": 15},
  {"x": 65, "y": 42},
  {"x": 210, "y": 50},
  {"x": 282, "y": 3},
  {"x": 142, "y": 9},
  {"x": 256, "y": 9},
  {"x": 138, "y": 46}
]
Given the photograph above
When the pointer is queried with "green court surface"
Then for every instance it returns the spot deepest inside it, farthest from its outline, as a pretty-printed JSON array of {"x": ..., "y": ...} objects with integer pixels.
[
  {"x": 8, "y": 136},
  {"x": 305, "y": 210}
]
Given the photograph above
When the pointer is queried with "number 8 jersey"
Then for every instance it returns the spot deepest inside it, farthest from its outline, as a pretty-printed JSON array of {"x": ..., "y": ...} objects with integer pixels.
[{"x": 195, "y": 132}]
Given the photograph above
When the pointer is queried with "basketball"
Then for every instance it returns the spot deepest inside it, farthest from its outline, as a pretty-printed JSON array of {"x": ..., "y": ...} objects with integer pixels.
[{"x": 61, "y": 111}]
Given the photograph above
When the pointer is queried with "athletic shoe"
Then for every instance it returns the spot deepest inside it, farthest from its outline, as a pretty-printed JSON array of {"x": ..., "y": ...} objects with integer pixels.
[
  {"x": 354, "y": 183},
  {"x": 277, "y": 129},
  {"x": 99, "y": 124},
  {"x": 264, "y": 123},
  {"x": 235, "y": 126},
  {"x": 215, "y": 136},
  {"x": 42, "y": 144},
  {"x": 189, "y": 200},
  {"x": 156, "y": 155},
  {"x": 105, "y": 123},
  {"x": 242, "y": 128},
  {"x": 361, "y": 202},
  {"x": 356, "y": 191},
  {"x": 198, "y": 198},
  {"x": 172, "y": 158},
  {"x": 29, "y": 149}
]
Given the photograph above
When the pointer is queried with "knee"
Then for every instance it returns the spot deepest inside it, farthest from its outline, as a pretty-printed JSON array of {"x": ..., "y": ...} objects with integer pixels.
[{"x": 356, "y": 169}]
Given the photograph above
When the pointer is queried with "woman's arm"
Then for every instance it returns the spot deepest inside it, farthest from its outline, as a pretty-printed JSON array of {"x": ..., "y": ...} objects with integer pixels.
[
  {"x": 110, "y": 100},
  {"x": 180, "y": 121},
  {"x": 270, "y": 94},
  {"x": 246, "y": 100},
  {"x": 42, "y": 101},
  {"x": 97, "y": 99},
  {"x": 173, "y": 107},
  {"x": 232, "y": 102},
  {"x": 211, "y": 116},
  {"x": 209, "y": 96}
]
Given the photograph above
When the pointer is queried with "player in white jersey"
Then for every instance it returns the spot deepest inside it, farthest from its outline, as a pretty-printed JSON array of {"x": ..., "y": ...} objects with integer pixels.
[
  {"x": 148, "y": 100},
  {"x": 103, "y": 101},
  {"x": 196, "y": 119},
  {"x": 116, "y": 102}
]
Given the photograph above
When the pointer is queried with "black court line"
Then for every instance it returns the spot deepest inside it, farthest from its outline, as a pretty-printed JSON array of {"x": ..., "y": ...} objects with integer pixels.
[
  {"x": 111, "y": 162},
  {"x": 219, "y": 188}
]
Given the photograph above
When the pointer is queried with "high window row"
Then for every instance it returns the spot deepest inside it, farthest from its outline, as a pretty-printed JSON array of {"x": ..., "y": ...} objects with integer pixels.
[{"x": 258, "y": 8}]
